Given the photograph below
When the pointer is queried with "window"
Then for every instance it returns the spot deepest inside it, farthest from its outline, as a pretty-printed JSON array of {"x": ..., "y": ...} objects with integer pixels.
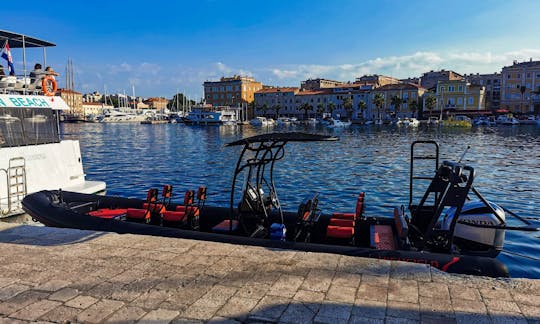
[
  {"x": 451, "y": 88},
  {"x": 471, "y": 100},
  {"x": 538, "y": 75},
  {"x": 528, "y": 75},
  {"x": 229, "y": 88},
  {"x": 460, "y": 101},
  {"x": 441, "y": 89},
  {"x": 518, "y": 76},
  {"x": 517, "y": 86},
  {"x": 460, "y": 88},
  {"x": 509, "y": 75},
  {"x": 451, "y": 102}
]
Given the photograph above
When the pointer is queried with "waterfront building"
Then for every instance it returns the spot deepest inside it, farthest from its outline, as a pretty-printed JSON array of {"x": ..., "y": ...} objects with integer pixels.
[
  {"x": 156, "y": 103},
  {"x": 409, "y": 95},
  {"x": 376, "y": 80},
  {"x": 94, "y": 108},
  {"x": 74, "y": 100},
  {"x": 270, "y": 99},
  {"x": 459, "y": 96},
  {"x": 316, "y": 84},
  {"x": 492, "y": 83},
  {"x": 520, "y": 90},
  {"x": 430, "y": 79},
  {"x": 231, "y": 91},
  {"x": 92, "y": 97}
]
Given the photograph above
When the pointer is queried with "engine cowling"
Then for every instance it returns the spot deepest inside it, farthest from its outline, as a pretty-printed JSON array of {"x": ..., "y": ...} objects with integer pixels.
[{"x": 474, "y": 240}]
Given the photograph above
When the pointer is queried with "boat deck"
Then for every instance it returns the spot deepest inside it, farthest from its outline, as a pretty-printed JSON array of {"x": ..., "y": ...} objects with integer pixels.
[{"x": 54, "y": 274}]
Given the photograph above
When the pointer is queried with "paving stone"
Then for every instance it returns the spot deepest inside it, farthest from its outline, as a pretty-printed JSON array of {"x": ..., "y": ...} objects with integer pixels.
[
  {"x": 403, "y": 290},
  {"x": 400, "y": 320},
  {"x": 308, "y": 296},
  {"x": 151, "y": 299},
  {"x": 253, "y": 291},
  {"x": 200, "y": 313},
  {"x": 379, "y": 293},
  {"x": 497, "y": 306},
  {"x": 403, "y": 310},
  {"x": 82, "y": 302},
  {"x": 34, "y": 311},
  {"x": 222, "y": 320},
  {"x": 495, "y": 293},
  {"x": 237, "y": 307},
  {"x": 433, "y": 319},
  {"x": 221, "y": 293},
  {"x": 99, "y": 311},
  {"x": 341, "y": 294},
  {"x": 157, "y": 316},
  {"x": 469, "y": 306},
  {"x": 12, "y": 290},
  {"x": 127, "y": 314},
  {"x": 462, "y": 292},
  {"x": 436, "y": 307},
  {"x": 375, "y": 280},
  {"x": 21, "y": 300},
  {"x": 297, "y": 312},
  {"x": 530, "y": 312},
  {"x": 356, "y": 319},
  {"x": 468, "y": 318},
  {"x": 344, "y": 279},
  {"x": 340, "y": 312},
  {"x": 64, "y": 294},
  {"x": 369, "y": 308},
  {"x": 433, "y": 290},
  {"x": 286, "y": 286},
  {"x": 269, "y": 308},
  {"x": 526, "y": 299},
  {"x": 61, "y": 314},
  {"x": 508, "y": 319}
]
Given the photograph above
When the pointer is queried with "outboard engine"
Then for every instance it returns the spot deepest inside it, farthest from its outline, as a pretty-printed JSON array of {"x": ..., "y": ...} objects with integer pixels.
[{"x": 474, "y": 240}]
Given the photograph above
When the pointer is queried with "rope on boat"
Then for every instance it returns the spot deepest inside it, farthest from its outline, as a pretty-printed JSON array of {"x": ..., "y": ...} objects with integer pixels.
[{"x": 521, "y": 255}]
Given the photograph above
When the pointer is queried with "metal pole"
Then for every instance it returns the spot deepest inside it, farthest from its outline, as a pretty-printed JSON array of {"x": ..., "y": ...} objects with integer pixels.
[
  {"x": 24, "y": 63},
  {"x": 44, "y": 56}
]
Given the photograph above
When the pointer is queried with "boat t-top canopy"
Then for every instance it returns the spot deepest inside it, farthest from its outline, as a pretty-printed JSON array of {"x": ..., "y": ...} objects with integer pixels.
[
  {"x": 22, "y": 41},
  {"x": 259, "y": 196},
  {"x": 283, "y": 137}
]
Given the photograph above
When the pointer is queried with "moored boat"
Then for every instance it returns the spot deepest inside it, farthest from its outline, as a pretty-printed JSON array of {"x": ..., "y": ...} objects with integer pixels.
[{"x": 440, "y": 229}]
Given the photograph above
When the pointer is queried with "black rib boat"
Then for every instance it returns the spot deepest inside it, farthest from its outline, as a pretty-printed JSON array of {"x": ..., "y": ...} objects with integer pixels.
[{"x": 443, "y": 229}]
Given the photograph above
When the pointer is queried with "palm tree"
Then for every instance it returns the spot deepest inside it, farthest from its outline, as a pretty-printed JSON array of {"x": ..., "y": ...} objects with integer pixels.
[
  {"x": 396, "y": 102},
  {"x": 347, "y": 104},
  {"x": 331, "y": 107},
  {"x": 320, "y": 108},
  {"x": 264, "y": 108},
  {"x": 431, "y": 101},
  {"x": 362, "y": 106},
  {"x": 305, "y": 107},
  {"x": 413, "y": 106},
  {"x": 277, "y": 108},
  {"x": 379, "y": 102}
]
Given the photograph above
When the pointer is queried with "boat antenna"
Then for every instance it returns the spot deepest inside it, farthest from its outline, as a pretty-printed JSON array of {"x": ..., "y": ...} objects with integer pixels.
[{"x": 463, "y": 155}]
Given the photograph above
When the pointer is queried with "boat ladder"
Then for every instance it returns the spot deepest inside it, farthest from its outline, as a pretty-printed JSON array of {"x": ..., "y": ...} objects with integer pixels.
[
  {"x": 16, "y": 187},
  {"x": 418, "y": 154}
]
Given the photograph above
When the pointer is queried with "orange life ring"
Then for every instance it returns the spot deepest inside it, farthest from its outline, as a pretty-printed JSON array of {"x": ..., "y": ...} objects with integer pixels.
[{"x": 49, "y": 85}]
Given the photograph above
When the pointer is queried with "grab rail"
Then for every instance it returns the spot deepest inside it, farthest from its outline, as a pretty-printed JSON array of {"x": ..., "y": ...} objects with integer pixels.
[{"x": 3, "y": 211}]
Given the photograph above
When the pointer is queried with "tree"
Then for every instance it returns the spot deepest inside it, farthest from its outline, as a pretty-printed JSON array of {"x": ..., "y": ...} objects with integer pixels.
[
  {"x": 431, "y": 101},
  {"x": 306, "y": 107},
  {"x": 320, "y": 108},
  {"x": 347, "y": 105},
  {"x": 264, "y": 109},
  {"x": 396, "y": 102},
  {"x": 362, "y": 106},
  {"x": 413, "y": 106},
  {"x": 179, "y": 100},
  {"x": 379, "y": 102},
  {"x": 277, "y": 108},
  {"x": 331, "y": 108}
]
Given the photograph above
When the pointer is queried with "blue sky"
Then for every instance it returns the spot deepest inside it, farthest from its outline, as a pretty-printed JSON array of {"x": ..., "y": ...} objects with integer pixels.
[{"x": 160, "y": 46}]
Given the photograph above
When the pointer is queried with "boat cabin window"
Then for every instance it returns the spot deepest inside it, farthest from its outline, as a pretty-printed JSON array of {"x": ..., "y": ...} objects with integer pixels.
[{"x": 27, "y": 126}]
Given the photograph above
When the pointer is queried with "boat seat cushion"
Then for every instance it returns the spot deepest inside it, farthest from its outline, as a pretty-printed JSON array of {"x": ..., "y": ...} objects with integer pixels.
[
  {"x": 350, "y": 216},
  {"x": 342, "y": 222},
  {"x": 225, "y": 226},
  {"x": 339, "y": 232},
  {"x": 153, "y": 207},
  {"x": 138, "y": 214},
  {"x": 108, "y": 213},
  {"x": 382, "y": 237},
  {"x": 174, "y": 216}
]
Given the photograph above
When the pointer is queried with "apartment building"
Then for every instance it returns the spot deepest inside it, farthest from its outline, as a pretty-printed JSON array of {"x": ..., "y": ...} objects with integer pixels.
[
  {"x": 520, "y": 89},
  {"x": 410, "y": 95},
  {"x": 460, "y": 96},
  {"x": 156, "y": 103},
  {"x": 231, "y": 91},
  {"x": 316, "y": 84},
  {"x": 430, "y": 79},
  {"x": 376, "y": 80},
  {"x": 492, "y": 83},
  {"x": 74, "y": 100},
  {"x": 269, "y": 99}
]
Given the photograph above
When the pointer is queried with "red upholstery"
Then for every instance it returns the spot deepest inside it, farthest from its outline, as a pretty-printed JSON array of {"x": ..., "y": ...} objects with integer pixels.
[
  {"x": 158, "y": 208},
  {"x": 225, "y": 226},
  {"x": 108, "y": 213},
  {"x": 350, "y": 216},
  {"x": 339, "y": 232},
  {"x": 174, "y": 216},
  {"x": 139, "y": 214},
  {"x": 382, "y": 237},
  {"x": 342, "y": 222}
]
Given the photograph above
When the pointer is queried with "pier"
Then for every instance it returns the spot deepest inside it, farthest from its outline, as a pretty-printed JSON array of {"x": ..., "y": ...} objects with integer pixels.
[{"x": 59, "y": 275}]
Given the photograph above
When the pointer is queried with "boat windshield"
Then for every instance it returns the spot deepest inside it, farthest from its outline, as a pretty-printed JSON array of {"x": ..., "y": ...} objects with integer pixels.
[{"x": 27, "y": 126}]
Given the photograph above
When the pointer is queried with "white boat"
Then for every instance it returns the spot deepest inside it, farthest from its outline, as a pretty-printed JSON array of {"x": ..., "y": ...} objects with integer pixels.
[
  {"x": 433, "y": 121},
  {"x": 408, "y": 122},
  {"x": 262, "y": 121},
  {"x": 484, "y": 121},
  {"x": 208, "y": 115},
  {"x": 283, "y": 121},
  {"x": 33, "y": 157},
  {"x": 507, "y": 120},
  {"x": 336, "y": 123},
  {"x": 126, "y": 115},
  {"x": 310, "y": 122}
]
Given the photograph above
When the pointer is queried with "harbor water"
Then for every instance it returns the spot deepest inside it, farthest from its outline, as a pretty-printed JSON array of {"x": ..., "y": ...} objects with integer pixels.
[{"x": 132, "y": 158}]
